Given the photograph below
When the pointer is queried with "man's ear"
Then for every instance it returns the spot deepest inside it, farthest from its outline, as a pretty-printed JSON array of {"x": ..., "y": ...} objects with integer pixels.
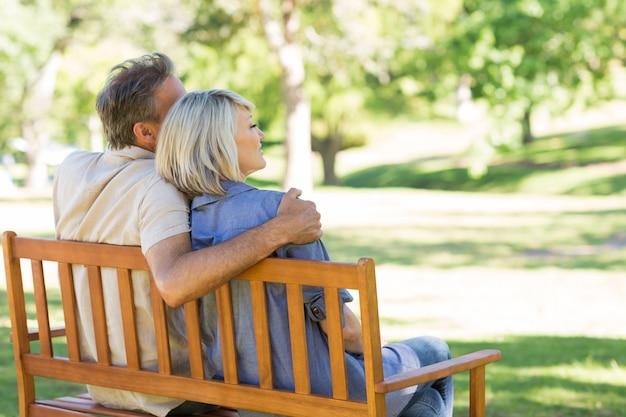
[{"x": 145, "y": 135}]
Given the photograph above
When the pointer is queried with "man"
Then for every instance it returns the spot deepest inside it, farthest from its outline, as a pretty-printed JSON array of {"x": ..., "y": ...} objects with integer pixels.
[{"x": 116, "y": 197}]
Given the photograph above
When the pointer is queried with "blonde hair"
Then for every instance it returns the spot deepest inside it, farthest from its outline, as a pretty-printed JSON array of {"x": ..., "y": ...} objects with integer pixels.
[{"x": 196, "y": 148}]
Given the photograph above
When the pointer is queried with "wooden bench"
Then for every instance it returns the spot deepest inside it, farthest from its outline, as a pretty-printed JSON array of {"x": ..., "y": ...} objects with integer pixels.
[{"x": 30, "y": 259}]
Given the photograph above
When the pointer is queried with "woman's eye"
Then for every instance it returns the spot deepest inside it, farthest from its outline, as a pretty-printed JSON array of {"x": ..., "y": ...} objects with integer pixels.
[{"x": 253, "y": 125}]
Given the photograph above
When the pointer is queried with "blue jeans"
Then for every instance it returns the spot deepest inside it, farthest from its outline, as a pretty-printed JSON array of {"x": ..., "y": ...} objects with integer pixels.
[
  {"x": 431, "y": 399},
  {"x": 434, "y": 398}
]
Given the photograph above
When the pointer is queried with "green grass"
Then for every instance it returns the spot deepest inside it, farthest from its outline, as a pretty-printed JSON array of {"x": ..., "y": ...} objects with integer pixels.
[
  {"x": 543, "y": 376},
  {"x": 572, "y": 163},
  {"x": 591, "y": 240},
  {"x": 45, "y": 388},
  {"x": 539, "y": 376}
]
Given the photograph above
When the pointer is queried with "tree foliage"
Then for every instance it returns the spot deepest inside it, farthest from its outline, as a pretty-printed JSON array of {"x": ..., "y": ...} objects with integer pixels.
[
  {"x": 68, "y": 41},
  {"x": 349, "y": 51},
  {"x": 360, "y": 59},
  {"x": 529, "y": 54}
]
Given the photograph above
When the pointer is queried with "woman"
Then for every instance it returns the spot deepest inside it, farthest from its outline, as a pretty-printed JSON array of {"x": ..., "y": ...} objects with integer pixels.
[{"x": 208, "y": 145}]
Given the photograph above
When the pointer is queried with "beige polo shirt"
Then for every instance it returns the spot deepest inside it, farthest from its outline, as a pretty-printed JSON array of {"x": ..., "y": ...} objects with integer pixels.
[{"x": 116, "y": 197}]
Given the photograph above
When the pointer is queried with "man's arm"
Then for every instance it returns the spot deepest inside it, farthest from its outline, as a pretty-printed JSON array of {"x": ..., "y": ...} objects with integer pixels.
[{"x": 182, "y": 275}]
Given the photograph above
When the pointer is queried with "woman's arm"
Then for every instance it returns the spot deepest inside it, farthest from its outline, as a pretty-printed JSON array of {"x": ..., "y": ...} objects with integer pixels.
[{"x": 352, "y": 334}]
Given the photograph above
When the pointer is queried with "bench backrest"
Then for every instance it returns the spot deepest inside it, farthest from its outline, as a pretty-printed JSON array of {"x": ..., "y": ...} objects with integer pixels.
[
  {"x": 46, "y": 264},
  {"x": 38, "y": 253}
]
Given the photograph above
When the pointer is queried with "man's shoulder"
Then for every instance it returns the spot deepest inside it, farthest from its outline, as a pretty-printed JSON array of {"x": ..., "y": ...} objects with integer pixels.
[
  {"x": 132, "y": 155},
  {"x": 77, "y": 161},
  {"x": 158, "y": 189},
  {"x": 81, "y": 155}
]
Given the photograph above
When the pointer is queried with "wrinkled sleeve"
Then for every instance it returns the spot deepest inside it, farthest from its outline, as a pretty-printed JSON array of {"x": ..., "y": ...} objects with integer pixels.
[
  {"x": 314, "y": 303},
  {"x": 164, "y": 212}
]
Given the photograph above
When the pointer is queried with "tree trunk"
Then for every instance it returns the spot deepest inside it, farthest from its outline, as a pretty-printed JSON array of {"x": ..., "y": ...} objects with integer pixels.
[
  {"x": 527, "y": 132},
  {"x": 298, "y": 132},
  {"x": 328, "y": 150},
  {"x": 330, "y": 176},
  {"x": 35, "y": 108},
  {"x": 281, "y": 38}
]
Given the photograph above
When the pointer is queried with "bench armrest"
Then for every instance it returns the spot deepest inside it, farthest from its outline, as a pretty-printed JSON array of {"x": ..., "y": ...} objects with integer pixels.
[
  {"x": 438, "y": 370},
  {"x": 34, "y": 334}
]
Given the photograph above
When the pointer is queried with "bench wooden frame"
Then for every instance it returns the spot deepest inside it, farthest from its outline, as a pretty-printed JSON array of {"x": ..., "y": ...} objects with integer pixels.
[{"x": 230, "y": 394}]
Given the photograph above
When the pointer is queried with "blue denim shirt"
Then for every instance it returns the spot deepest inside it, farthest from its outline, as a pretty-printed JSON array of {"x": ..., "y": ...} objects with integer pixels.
[{"x": 215, "y": 219}]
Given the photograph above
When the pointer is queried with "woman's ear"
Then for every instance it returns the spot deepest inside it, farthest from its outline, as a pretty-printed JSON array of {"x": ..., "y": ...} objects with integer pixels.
[{"x": 145, "y": 135}]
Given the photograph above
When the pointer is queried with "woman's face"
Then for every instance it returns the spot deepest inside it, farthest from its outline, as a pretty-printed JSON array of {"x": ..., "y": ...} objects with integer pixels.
[{"x": 248, "y": 138}]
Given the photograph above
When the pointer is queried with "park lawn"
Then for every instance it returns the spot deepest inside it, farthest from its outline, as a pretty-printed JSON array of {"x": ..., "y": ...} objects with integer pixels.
[
  {"x": 539, "y": 376},
  {"x": 570, "y": 163},
  {"x": 556, "y": 205},
  {"x": 548, "y": 376},
  {"x": 45, "y": 388}
]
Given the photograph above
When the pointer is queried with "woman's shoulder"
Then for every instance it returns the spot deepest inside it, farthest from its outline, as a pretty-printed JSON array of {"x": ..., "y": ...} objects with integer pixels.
[
  {"x": 268, "y": 199},
  {"x": 250, "y": 192},
  {"x": 241, "y": 194}
]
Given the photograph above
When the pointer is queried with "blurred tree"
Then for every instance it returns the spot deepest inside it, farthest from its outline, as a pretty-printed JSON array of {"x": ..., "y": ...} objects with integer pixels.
[
  {"x": 30, "y": 78},
  {"x": 281, "y": 25},
  {"x": 339, "y": 62},
  {"x": 232, "y": 30},
  {"x": 338, "y": 126},
  {"x": 336, "y": 61},
  {"x": 525, "y": 54},
  {"x": 66, "y": 41},
  {"x": 364, "y": 59}
]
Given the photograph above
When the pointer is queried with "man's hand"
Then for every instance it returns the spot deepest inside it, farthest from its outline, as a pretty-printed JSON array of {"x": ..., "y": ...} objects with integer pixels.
[{"x": 299, "y": 218}]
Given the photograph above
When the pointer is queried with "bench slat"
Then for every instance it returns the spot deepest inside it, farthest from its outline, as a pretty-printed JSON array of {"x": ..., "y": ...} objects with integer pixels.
[
  {"x": 84, "y": 404},
  {"x": 127, "y": 306},
  {"x": 99, "y": 315},
  {"x": 65, "y": 251},
  {"x": 161, "y": 331},
  {"x": 223, "y": 298},
  {"x": 368, "y": 298},
  {"x": 262, "y": 334},
  {"x": 297, "y": 332},
  {"x": 194, "y": 339},
  {"x": 46, "y": 410},
  {"x": 41, "y": 303},
  {"x": 335, "y": 342},
  {"x": 208, "y": 391},
  {"x": 19, "y": 326},
  {"x": 81, "y": 406},
  {"x": 68, "y": 297}
]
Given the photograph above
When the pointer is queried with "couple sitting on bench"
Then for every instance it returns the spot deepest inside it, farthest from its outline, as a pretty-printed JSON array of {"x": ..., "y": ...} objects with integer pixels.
[{"x": 138, "y": 193}]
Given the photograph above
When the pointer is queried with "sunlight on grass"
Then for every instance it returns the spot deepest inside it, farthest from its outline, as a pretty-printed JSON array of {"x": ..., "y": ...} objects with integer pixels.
[
  {"x": 551, "y": 376},
  {"x": 586, "y": 240},
  {"x": 562, "y": 182},
  {"x": 559, "y": 396},
  {"x": 575, "y": 163},
  {"x": 589, "y": 373}
]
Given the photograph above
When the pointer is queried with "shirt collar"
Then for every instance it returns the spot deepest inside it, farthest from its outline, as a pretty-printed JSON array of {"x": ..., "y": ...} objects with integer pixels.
[
  {"x": 232, "y": 188},
  {"x": 131, "y": 152}
]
